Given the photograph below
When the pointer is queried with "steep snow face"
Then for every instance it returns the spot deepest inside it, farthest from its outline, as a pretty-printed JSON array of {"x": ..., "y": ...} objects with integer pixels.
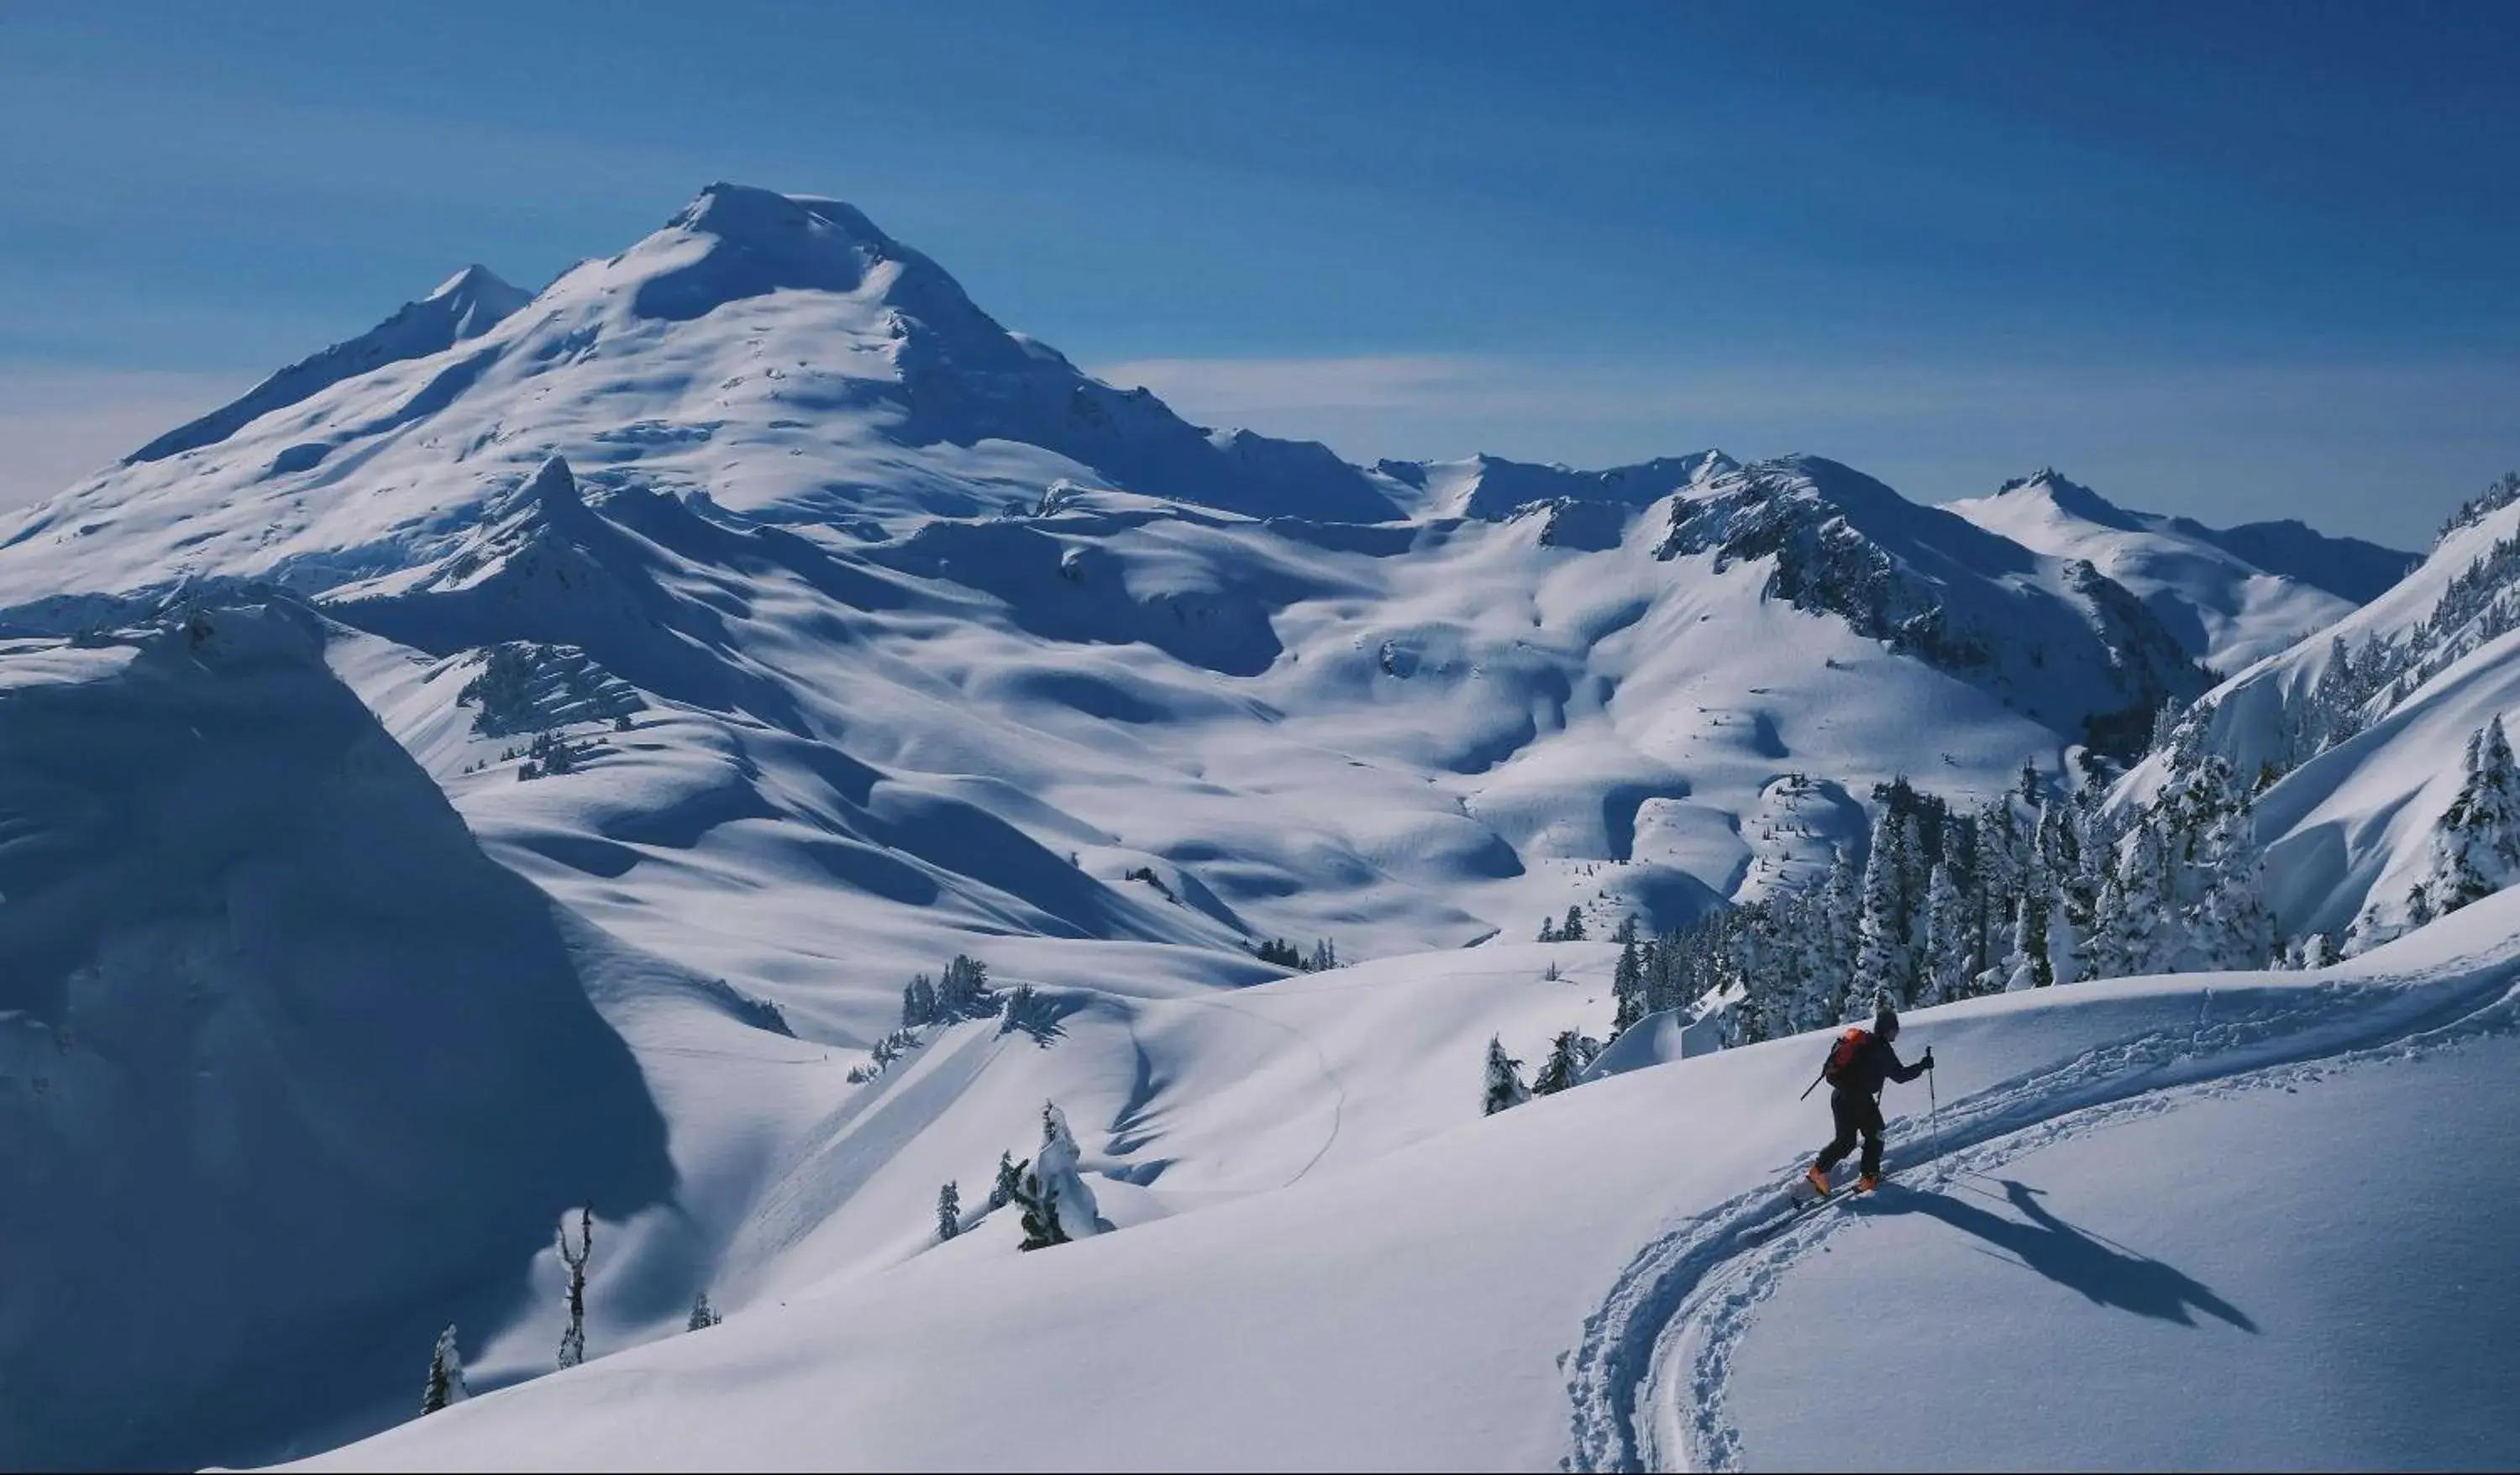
[
  {"x": 2231, "y": 596},
  {"x": 2055, "y": 637},
  {"x": 2190, "y": 1222},
  {"x": 291, "y": 1074}
]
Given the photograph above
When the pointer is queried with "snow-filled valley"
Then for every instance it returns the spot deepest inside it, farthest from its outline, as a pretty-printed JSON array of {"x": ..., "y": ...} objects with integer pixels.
[{"x": 725, "y": 740}]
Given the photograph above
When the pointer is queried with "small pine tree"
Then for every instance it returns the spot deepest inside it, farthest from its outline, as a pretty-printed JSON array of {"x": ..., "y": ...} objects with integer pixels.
[
  {"x": 445, "y": 1376},
  {"x": 703, "y": 1316},
  {"x": 1549, "y": 929},
  {"x": 572, "y": 1340},
  {"x": 1569, "y": 1055},
  {"x": 949, "y": 1211},
  {"x": 1572, "y": 929},
  {"x": 1002, "y": 1191},
  {"x": 1505, "y": 1086}
]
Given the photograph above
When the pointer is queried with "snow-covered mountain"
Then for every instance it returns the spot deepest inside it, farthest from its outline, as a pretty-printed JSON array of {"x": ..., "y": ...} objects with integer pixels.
[
  {"x": 746, "y": 623},
  {"x": 2231, "y": 596}
]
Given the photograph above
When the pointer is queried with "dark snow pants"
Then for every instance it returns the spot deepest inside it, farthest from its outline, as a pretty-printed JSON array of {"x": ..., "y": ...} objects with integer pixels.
[{"x": 1854, "y": 1113}]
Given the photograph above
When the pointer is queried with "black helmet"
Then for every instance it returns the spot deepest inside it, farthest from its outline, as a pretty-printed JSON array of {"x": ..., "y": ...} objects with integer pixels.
[{"x": 1886, "y": 1023}]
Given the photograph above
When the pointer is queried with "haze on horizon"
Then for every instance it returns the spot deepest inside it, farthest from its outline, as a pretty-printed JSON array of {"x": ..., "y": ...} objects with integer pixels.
[{"x": 2235, "y": 265}]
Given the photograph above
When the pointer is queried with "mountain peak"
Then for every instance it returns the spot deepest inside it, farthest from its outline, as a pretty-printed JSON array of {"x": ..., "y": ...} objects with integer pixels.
[
  {"x": 751, "y": 215},
  {"x": 474, "y": 300},
  {"x": 2071, "y": 497},
  {"x": 755, "y": 242}
]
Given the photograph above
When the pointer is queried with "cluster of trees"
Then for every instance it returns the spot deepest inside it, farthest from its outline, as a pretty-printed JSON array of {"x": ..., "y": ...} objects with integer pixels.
[
  {"x": 549, "y": 754},
  {"x": 523, "y": 685},
  {"x": 2025, "y": 891},
  {"x": 1286, "y": 955},
  {"x": 962, "y": 993},
  {"x": 1570, "y": 930}
]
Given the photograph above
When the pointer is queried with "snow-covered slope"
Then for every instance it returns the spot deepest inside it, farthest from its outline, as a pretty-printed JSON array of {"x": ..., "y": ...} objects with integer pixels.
[
  {"x": 2186, "y": 1223},
  {"x": 2231, "y": 596},
  {"x": 464, "y": 306},
  {"x": 2364, "y": 726}
]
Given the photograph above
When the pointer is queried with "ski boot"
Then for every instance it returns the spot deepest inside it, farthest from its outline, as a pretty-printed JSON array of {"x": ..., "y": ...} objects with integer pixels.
[
  {"x": 1817, "y": 1179},
  {"x": 1867, "y": 1182}
]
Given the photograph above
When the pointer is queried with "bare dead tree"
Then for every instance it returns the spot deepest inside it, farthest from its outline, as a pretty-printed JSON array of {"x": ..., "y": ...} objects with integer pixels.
[{"x": 572, "y": 1342}]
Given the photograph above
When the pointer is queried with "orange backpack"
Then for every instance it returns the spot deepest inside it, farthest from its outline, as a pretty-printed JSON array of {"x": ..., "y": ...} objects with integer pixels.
[{"x": 1841, "y": 1055}]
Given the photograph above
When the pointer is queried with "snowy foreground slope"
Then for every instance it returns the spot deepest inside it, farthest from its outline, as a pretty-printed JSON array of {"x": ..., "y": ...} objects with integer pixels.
[{"x": 2224, "y": 1220}]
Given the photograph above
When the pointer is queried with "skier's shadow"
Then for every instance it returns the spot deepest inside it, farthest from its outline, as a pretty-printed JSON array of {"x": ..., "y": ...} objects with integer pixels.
[{"x": 2107, "y": 1275}]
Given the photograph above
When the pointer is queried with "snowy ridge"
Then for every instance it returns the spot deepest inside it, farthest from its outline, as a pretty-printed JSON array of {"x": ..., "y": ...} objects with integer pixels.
[
  {"x": 464, "y": 306},
  {"x": 2229, "y": 596}
]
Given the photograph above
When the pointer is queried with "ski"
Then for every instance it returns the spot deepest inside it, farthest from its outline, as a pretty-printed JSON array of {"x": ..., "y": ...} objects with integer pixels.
[{"x": 1801, "y": 1208}]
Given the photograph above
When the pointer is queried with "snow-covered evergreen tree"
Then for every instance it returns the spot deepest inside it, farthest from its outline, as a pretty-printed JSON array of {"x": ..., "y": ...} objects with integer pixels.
[
  {"x": 949, "y": 1211},
  {"x": 1835, "y": 943},
  {"x": 2474, "y": 850},
  {"x": 703, "y": 1316},
  {"x": 963, "y": 992},
  {"x": 1001, "y": 1188},
  {"x": 919, "y": 1002},
  {"x": 1885, "y": 956},
  {"x": 1057, "y": 1206},
  {"x": 445, "y": 1376},
  {"x": 1628, "y": 987},
  {"x": 1505, "y": 1086},
  {"x": 1572, "y": 929},
  {"x": 1947, "y": 968},
  {"x": 1569, "y": 1055}
]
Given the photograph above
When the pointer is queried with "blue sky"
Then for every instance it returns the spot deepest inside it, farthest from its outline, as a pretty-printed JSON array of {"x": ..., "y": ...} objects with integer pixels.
[{"x": 2237, "y": 262}]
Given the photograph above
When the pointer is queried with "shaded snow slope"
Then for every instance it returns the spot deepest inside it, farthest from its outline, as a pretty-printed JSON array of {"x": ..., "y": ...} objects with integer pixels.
[
  {"x": 1587, "y": 1278},
  {"x": 2229, "y": 596},
  {"x": 292, "y": 1073}
]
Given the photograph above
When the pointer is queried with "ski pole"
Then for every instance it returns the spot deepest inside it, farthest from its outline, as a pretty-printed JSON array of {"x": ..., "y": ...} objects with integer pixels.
[
  {"x": 1814, "y": 1086},
  {"x": 1934, "y": 1127}
]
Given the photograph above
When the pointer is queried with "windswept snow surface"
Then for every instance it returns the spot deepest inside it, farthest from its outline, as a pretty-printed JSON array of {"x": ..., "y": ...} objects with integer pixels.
[
  {"x": 2186, "y": 1222},
  {"x": 2231, "y": 596}
]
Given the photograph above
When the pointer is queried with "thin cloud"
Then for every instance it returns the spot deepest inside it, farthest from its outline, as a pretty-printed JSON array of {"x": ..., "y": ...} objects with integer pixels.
[{"x": 60, "y": 425}]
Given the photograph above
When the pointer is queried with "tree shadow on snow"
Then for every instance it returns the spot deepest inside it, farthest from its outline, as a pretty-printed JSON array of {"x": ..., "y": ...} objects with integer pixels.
[{"x": 2105, "y": 1272}]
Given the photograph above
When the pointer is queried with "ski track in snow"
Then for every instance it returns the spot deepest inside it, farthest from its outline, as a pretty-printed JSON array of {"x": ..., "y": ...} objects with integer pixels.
[{"x": 1654, "y": 1365}]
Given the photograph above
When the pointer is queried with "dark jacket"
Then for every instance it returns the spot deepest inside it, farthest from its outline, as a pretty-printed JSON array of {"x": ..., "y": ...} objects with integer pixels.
[{"x": 1874, "y": 1064}]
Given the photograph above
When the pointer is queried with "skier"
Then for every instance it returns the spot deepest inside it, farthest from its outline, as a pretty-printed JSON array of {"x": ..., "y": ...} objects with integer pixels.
[{"x": 1858, "y": 1066}]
